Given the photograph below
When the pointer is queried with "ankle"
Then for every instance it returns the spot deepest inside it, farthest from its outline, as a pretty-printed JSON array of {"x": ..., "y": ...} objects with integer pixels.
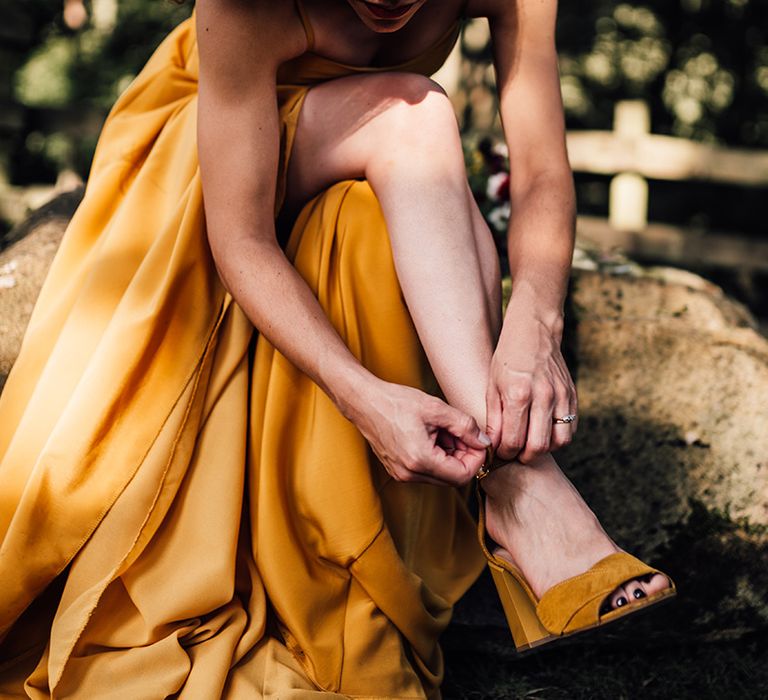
[{"x": 506, "y": 480}]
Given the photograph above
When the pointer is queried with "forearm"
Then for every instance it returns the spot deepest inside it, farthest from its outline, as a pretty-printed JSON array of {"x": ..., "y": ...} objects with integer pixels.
[
  {"x": 540, "y": 244},
  {"x": 400, "y": 423},
  {"x": 541, "y": 231},
  {"x": 241, "y": 46},
  {"x": 281, "y": 306},
  {"x": 530, "y": 382}
]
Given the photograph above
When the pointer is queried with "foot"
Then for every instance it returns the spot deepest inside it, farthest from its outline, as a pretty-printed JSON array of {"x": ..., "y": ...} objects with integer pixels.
[{"x": 544, "y": 528}]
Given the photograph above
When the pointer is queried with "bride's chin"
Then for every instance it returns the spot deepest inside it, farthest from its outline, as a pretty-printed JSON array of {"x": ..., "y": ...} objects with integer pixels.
[{"x": 380, "y": 24}]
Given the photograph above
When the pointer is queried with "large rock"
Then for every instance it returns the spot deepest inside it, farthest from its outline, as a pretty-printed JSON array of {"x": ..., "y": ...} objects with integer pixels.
[
  {"x": 672, "y": 448},
  {"x": 673, "y": 389},
  {"x": 28, "y": 251}
]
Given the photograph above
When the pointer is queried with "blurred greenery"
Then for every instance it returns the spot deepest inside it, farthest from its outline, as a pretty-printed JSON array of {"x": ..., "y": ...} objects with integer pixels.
[
  {"x": 701, "y": 64},
  {"x": 94, "y": 65},
  {"x": 78, "y": 71}
]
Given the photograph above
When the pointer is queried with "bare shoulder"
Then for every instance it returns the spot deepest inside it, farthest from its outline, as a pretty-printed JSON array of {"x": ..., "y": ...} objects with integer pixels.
[
  {"x": 492, "y": 9},
  {"x": 531, "y": 16},
  {"x": 238, "y": 39}
]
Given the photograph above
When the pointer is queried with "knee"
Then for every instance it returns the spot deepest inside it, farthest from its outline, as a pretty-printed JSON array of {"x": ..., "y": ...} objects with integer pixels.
[
  {"x": 411, "y": 89},
  {"x": 416, "y": 110}
]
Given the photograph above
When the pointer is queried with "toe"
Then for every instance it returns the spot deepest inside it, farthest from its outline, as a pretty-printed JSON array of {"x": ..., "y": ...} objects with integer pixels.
[
  {"x": 655, "y": 583},
  {"x": 646, "y": 586},
  {"x": 636, "y": 589},
  {"x": 619, "y": 598}
]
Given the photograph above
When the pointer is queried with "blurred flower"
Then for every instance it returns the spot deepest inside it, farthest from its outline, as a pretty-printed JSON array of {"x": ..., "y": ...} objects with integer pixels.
[
  {"x": 498, "y": 217},
  {"x": 75, "y": 13},
  {"x": 488, "y": 172},
  {"x": 497, "y": 187},
  {"x": 494, "y": 154},
  {"x": 698, "y": 87}
]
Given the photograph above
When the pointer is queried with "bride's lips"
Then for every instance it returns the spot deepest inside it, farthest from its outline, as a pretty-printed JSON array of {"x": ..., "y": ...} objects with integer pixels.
[{"x": 381, "y": 12}]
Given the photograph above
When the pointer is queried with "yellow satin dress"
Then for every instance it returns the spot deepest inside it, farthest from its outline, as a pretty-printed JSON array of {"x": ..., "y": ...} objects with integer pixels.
[{"x": 183, "y": 513}]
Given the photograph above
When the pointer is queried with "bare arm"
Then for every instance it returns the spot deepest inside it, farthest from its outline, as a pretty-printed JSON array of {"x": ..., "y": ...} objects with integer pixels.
[
  {"x": 238, "y": 139},
  {"x": 530, "y": 380},
  {"x": 241, "y": 44},
  {"x": 541, "y": 230}
]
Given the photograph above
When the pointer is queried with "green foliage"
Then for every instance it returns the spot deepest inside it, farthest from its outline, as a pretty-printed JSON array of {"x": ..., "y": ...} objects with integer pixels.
[
  {"x": 94, "y": 65},
  {"x": 78, "y": 74},
  {"x": 44, "y": 79},
  {"x": 701, "y": 64}
]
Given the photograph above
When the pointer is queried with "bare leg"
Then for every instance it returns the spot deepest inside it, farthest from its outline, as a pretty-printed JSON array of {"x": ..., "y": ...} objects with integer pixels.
[{"x": 399, "y": 132}]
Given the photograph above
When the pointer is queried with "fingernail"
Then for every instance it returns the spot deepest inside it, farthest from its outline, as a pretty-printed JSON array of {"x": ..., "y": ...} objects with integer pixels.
[{"x": 484, "y": 439}]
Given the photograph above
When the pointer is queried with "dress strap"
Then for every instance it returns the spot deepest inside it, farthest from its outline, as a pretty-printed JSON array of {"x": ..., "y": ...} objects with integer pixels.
[{"x": 308, "y": 31}]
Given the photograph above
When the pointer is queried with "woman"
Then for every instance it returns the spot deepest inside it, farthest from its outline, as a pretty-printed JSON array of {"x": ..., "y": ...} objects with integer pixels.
[{"x": 185, "y": 513}]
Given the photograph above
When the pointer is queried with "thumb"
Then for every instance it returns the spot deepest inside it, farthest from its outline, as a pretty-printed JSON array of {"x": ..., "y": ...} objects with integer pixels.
[{"x": 460, "y": 425}]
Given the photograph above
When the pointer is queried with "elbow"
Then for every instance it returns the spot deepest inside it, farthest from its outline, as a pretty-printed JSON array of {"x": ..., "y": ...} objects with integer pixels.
[
  {"x": 556, "y": 179},
  {"x": 238, "y": 257}
]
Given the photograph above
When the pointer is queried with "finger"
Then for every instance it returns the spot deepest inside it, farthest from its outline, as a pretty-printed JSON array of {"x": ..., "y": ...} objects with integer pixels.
[
  {"x": 574, "y": 408},
  {"x": 458, "y": 472},
  {"x": 540, "y": 423},
  {"x": 493, "y": 416},
  {"x": 447, "y": 441},
  {"x": 572, "y": 398},
  {"x": 562, "y": 433},
  {"x": 406, "y": 471},
  {"x": 444, "y": 469},
  {"x": 472, "y": 459},
  {"x": 459, "y": 424},
  {"x": 514, "y": 421}
]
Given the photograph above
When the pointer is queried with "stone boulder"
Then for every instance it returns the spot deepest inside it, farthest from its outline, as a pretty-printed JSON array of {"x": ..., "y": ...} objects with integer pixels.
[
  {"x": 26, "y": 255},
  {"x": 672, "y": 446}
]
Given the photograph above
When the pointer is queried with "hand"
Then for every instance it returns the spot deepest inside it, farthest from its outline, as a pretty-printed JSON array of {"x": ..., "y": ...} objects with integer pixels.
[
  {"x": 529, "y": 383},
  {"x": 418, "y": 437}
]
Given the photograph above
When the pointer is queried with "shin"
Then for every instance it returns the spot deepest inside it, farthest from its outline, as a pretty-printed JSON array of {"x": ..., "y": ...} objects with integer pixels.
[{"x": 399, "y": 132}]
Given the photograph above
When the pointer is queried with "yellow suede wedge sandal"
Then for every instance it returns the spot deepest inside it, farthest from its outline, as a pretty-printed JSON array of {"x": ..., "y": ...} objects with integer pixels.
[{"x": 571, "y": 606}]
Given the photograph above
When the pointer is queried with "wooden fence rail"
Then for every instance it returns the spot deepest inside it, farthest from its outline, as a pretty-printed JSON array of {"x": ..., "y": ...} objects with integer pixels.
[{"x": 631, "y": 154}]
